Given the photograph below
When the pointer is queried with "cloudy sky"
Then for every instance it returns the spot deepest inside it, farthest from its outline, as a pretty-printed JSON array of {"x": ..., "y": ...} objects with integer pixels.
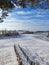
[{"x": 26, "y": 19}]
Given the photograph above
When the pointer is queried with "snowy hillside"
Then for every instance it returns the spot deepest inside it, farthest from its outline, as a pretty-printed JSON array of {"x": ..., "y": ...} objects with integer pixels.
[
  {"x": 29, "y": 49},
  {"x": 8, "y": 56}
]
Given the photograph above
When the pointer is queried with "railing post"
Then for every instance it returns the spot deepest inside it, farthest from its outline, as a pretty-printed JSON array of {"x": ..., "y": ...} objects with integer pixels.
[
  {"x": 32, "y": 63},
  {"x": 20, "y": 63}
]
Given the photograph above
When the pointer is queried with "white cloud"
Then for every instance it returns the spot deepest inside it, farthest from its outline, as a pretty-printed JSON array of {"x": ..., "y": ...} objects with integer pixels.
[
  {"x": 22, "y": 12},
  {"x": 28, "y": 17}
]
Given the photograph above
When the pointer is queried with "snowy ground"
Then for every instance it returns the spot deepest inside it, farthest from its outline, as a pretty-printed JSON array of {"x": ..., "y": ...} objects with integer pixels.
[
  {"x": 42, "y": 36},
  {"x": 38, "y": 49},
  {"x": 35, "y": 48},
  {"x": 8, "y": 56}
]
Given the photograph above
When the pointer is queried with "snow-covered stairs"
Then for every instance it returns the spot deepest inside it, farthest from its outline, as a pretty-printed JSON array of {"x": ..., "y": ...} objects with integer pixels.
[
  {"x": 24, "y": 58},
  {"x": 28, "y": 56},
  {"x": 21, "y": 58}
]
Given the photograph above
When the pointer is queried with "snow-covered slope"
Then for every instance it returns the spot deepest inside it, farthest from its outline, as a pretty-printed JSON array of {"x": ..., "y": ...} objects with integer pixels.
[
  {"x": 36, "y": 49},
  {"x": 8, "y": 56}
]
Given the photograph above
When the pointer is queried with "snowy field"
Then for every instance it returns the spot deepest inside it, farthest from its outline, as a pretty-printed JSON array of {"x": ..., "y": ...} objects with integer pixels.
[
  {"x": 8, "y": 56},
  {"x": 36, "y": 49},
  {"x": 42, "y": 36}
]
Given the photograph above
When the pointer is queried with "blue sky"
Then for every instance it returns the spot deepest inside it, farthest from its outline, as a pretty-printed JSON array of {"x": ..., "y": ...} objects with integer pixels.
[{"x": 26, "y": 19}]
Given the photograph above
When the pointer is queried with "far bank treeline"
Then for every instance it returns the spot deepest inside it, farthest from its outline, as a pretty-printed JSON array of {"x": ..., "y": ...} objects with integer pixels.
[{"x": 4, "y": 33}]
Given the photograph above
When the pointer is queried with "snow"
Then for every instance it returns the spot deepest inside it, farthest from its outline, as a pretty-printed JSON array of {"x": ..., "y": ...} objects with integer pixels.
[
  {"x": 8, "y": 56},
  {"x": 35, "y": 48},
  {"x": 23, "y": 59},
  {"x": 42, "y": 36}
]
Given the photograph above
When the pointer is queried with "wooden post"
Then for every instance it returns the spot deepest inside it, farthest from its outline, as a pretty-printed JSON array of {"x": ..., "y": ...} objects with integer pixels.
[
  {"x": 36, "y": 64},
  {"x": 32, "y": 63},
  {"x": 20, "y": 63}
]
